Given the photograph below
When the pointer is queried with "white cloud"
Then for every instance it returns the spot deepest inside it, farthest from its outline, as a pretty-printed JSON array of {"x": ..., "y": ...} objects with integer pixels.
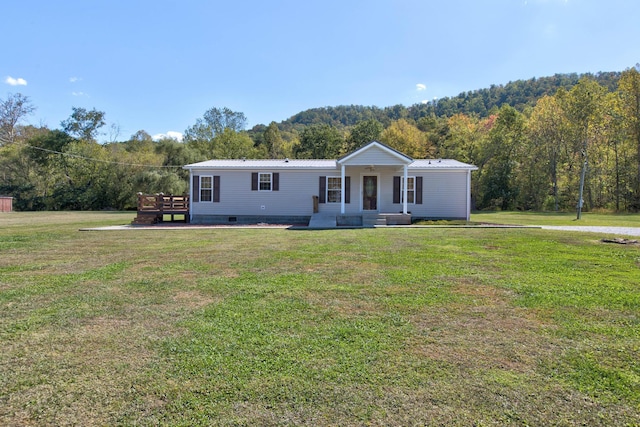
[
  {"x": 175, "y": 135},
  {"x": 170, "y": 134},
  {"x": 15, "y": 82},
  {"x": 79, "y": 94},
  {"x": 74, "y": 79},
  {"x": 420, "y": 87}
]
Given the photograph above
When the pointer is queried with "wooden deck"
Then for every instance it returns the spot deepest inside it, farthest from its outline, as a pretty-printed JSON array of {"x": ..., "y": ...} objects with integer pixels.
[{"x": 158, "y": 208}]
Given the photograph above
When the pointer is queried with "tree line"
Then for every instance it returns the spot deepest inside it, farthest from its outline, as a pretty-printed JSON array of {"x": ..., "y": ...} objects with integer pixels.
[{"x": 538, "y": 145}]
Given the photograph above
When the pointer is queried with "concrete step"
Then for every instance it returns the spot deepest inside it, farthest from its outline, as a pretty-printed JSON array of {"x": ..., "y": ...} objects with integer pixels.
[
  {"x": 397, "y": 219},
  {"x": 373, "y": 220},
  {"x": 322, "y": 221}
]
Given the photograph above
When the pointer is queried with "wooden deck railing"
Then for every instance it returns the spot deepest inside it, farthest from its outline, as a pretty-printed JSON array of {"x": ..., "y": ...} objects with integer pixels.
[{"x": 153, "y": 207}]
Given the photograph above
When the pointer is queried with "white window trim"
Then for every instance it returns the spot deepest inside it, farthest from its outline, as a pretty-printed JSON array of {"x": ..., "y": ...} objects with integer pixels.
[
  {"x": 260, "y": 174},
  {"x": 339, "y": 190},
  {"x": 408, "y": 190},
  {"x": 203, "y": 188}
]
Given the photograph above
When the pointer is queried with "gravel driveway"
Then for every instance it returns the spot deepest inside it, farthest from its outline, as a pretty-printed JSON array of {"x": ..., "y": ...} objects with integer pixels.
[{"x": 622, "y": 231}]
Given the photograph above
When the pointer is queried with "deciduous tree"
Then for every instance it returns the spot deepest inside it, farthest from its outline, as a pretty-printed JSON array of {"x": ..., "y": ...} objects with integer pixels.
[
  {"x": 12, "y": 110},
  {"x": 363, "y": 133},
  {"x": 581, "y": 106},
  {"x": 501, "y": 160},
  {"x": 274, "y": 142},
  {"x": 230, "y": 144},
  {"x": 629, "y": 90},
  {"x": 408, "y": 139},
  {"x": 319, "y": 142},
  {"x": 84, "y": 124},
  {"x": 215, "y": 121},
  {"x": 548, "y": 148}
]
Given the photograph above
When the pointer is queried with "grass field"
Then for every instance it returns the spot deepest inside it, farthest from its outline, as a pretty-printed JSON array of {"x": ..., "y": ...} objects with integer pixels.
[{"x": 425, "y": 326}]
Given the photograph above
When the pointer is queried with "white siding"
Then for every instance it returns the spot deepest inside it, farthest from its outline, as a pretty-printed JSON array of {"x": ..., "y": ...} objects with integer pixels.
[
  {"x": 445, "y": 194},
  {"x": 236, "y": 197}
]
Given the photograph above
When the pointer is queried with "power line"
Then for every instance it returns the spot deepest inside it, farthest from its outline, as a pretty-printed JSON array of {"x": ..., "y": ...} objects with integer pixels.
[{"x": 93, "y": 159}]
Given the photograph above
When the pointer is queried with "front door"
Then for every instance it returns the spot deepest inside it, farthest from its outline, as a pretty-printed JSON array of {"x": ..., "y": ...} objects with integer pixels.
[{"x": 369, "y": 193}]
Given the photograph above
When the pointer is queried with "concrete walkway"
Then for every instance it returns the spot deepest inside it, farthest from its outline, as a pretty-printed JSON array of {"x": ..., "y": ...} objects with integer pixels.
[
  {"x": 322, "y": 222},
  {"x": 182, "y": 227},
  {"x": 623, "y": 231}
]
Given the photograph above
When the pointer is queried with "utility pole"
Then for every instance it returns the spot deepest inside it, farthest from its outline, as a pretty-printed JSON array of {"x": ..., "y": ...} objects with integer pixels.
[{"x": 584, "y": 171}]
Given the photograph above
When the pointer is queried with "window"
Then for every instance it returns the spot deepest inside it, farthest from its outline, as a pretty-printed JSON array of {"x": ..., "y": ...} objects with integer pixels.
[
  {"x": 411, "y": 189},
  {"x": 414, "y": 189},
  {"x": 264, "y": 182},
  {"x": 330, "y": 190},
  {"x": 333, "y": 189},
  {"x": 206, "y": 188}
]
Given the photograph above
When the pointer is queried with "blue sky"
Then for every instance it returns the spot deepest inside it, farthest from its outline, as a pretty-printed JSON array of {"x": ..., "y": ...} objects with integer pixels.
[{"x": 159, "y": 65}]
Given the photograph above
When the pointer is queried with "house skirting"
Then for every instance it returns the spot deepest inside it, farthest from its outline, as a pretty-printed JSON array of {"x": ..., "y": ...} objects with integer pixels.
[
  {"x": 347, "y": 220},
  {"x": 248, "y": 219}
]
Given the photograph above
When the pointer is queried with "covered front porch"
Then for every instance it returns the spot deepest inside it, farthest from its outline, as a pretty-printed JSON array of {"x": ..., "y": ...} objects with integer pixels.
[{"x": 376, "y": 171}]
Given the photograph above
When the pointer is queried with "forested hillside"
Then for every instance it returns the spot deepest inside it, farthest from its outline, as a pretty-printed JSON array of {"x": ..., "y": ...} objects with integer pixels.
[
  {"x": 531, "y": 140},
  {"x": 519, "y": 94}
]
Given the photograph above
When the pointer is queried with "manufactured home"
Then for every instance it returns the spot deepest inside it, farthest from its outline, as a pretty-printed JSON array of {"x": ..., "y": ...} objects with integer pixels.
[{"x": 374, "y": 181}]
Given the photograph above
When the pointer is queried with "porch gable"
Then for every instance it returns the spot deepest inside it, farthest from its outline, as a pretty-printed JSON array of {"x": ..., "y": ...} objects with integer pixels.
[{"x": 375, "y": 154}]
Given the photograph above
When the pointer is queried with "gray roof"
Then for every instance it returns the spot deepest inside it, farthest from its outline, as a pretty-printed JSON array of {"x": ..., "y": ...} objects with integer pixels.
[
  {"x": 316, "y": 164},
  {"x": 440, "y": 164},
  {"x": 264, "y": 164}
]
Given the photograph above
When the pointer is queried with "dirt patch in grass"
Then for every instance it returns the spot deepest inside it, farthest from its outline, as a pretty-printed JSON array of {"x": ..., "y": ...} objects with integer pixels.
[
  {"x": 192, "y": 300},
  {"x": 73, "y": 376},
  {"x": 344, "y": 304},
  {"x": 80, "y": 372},
  {"x": 485, "y": 332}
]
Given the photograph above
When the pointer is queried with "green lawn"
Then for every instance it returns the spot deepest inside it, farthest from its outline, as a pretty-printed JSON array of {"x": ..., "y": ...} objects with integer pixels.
[
  {"x": 396, "y": 326},
  {"x": 556, "y": 218}
]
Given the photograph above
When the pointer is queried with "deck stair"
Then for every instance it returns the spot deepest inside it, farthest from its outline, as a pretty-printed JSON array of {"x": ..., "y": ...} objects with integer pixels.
[
  {"x": 374, "y": 220},
  {"x": 157, "y": 208}
]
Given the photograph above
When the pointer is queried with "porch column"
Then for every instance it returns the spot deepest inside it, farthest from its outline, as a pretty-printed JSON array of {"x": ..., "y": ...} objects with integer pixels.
[
  {"x": 342, "y": 190},
  {"x": 190, "y": 205},
  {"x": 468, "y": 195},
  {"x": 404, "y": 190}
]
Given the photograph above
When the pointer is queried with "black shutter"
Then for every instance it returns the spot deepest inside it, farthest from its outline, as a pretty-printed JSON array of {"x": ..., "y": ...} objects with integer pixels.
[
  {"x": 275, "y": 185},
  {"x": 347, "y": 189},
  {"x": 396, "y": 189},
  {"x": 216, "y": 188},
  {"x": 418, "y": 189},
  {"x": 196, "y": 188},
  {"x": 322, "y": 190},
  {"x": 254, "y": 181}
]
